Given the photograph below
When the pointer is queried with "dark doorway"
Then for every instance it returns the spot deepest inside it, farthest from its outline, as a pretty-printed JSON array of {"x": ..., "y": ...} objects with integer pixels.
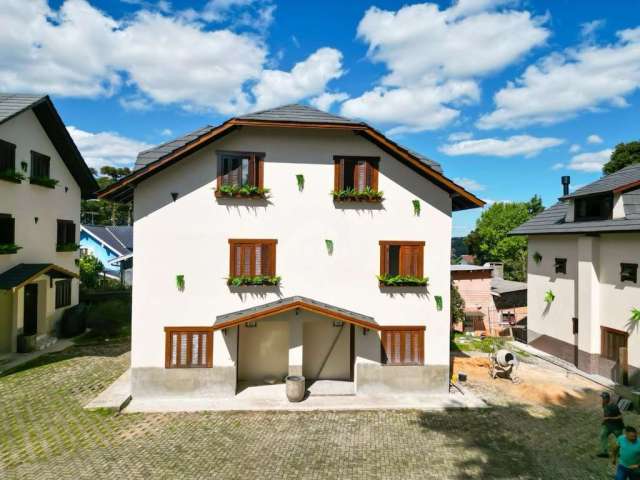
[{"x": 31, "y": 309}]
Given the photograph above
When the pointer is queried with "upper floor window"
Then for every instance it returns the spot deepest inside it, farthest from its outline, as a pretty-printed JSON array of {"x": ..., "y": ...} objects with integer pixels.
[
  {"x": 66, "y": 236},
  {"x": 596, "y": 207},
  {"x": 561, "y": 265},
  {"x": 252, "y": 262},
  {"x": 7, "y": 156},
  {"x": 7, "y": 234},
  {"x": 240, "y": 174},
  {"x": 629, "y": 272},
  {"x": 40, "y": 170},
  {"x": 402, "y": 263},
  {"x": 356, "y": 178}
]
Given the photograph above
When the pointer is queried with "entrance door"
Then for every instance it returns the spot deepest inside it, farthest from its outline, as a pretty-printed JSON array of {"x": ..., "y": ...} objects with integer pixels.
[{"x": 31, "y": 309}]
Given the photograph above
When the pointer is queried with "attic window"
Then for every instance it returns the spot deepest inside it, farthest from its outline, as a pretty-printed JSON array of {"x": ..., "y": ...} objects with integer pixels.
[
  {"x": 40, "y": 165},
  {"x": 561, "y": 265},
  {"x": 596, "y": 207},
  {"x": 629, "y": 272},
  {"x": 356, "y": 178},
  {"x": 240, "y": 169}
]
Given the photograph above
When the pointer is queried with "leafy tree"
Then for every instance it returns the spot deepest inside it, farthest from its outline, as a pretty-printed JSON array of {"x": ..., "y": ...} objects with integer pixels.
[
  {"x": 90, "y": 271},
  {"x": 102, "y": 212},
  {"x": 490, "y": 242},
  {"x": 625, "y": 154},
  {"x": 457, "y": 305}
]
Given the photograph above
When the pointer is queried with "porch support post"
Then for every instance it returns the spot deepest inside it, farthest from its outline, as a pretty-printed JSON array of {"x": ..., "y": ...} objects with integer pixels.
[{"x": 295, "y": 346}]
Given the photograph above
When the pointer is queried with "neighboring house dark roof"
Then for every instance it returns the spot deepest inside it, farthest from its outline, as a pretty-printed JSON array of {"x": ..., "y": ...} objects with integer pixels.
[
  {"x": 12, "y": 104},
  {"x": 609, "y": 183},
  {"x": 289, "y": 303},
  {"x": 24, "y": 272},
  {"x": 502, "y": 286},
  {"x": 118, "y": 238},
  {"x": 469, "y": 268},
  {"x": 156, "y": 159}
]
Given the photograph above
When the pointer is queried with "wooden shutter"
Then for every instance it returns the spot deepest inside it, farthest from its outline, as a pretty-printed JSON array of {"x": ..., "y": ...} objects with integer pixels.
[
  {"x": 39, "y": 165},
  {"x": 7, "y": 229},
  {"x": 188, "y": 347},
  {"x": 252, "y": 257},
  {"x": 63, "y": 293},
  {"x": 611, "y": 342},
  {"x": 7, "y": 156},
  {"x": 403, "y": 345},
  {"x": 411, "y": 257}
]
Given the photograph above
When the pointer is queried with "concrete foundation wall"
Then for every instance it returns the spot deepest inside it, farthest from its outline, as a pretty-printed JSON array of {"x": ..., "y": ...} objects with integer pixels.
[
  {"x": 374, "y": 379},
  {"x": 184, "y": 383}
]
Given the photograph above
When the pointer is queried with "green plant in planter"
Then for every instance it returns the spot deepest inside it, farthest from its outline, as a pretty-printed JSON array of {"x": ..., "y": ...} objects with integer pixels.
[
  {"x": 549, "y": 296},
  {"x": 67, "y": 247},
  {"x": 368, "y": 194},
  {"x": 387, "y": 280},
  {"x": 44, "y": 181},
  {"x": 8, "y": 248},
  {"x": 537, "y": 257},
  {"x": 300, "y": 180},
  {"x": 12, "y": 176},
  {"x": 258, "y": 280},
  {"x": 242, "y": 191},
  {"x": 329, "y": 244},
  {"x": 416, "y": 207},
  {"x": 180, "y": 282},
  {"x": 438, "y": 303}
]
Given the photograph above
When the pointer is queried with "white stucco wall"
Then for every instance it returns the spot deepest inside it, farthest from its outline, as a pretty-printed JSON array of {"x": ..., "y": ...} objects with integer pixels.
[
  {"x": 26, "y": 202},
  {"x": 190, "y": 237}
]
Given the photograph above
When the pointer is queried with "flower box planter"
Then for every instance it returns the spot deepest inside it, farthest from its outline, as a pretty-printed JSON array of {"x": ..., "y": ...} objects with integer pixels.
[
  {"x": 9, "y": 248},
  {"x": 248, "y": 192},
  {"x": 12, "y": 176},
  {"x": 295, "y": 388},
  {"x": 368, "y": 196},
  {"x": 402, "y": 281},
  {"x": 259, "y": 280},
  {"x": 67, "y": 247},
  {"x": 44, "y": 181}
]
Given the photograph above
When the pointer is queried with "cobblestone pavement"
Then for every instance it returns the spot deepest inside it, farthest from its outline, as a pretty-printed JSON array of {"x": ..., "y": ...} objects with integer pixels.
[{"x": 45, "y": 434}]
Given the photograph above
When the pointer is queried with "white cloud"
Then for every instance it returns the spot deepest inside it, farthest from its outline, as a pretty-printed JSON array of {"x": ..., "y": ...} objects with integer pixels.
[
  {"x": 326, "y": 100},
  {"x": 457, "y": 136},
  {"x": 558, "y": 166},
  {"x": 588, "y": 30},
  {"x": 306, "y": 78},
  {"x": 434, "y": 58},
  {"x": 217, "y": 10},
  {"x": 594, "y": 139},
  {"x": 516, "y": 145},
  {"x": 590, "y": 161},
  {"x": 562, "y": 85},
  {"x": 165, "y": 58},
  {"x": 106, "y": 148},
  {"x": 575, "y": 148},
  {"x": 469, "y": 184}
]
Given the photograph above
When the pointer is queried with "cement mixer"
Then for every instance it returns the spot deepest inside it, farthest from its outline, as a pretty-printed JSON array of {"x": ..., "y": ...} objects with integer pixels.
[{"x": 504, "y": 363}]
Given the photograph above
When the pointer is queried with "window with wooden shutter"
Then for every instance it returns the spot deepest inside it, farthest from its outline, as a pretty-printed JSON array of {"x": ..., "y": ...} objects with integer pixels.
[
  {"x": 7, "y": 229},
  {"x": 66, "y": 232},
  {"x": 40, "y": 165},
  {"x": 63, "y": 293},
  {"x": 402, "y": 258},
  {"x": 188, "y": 347},
  {"x": 240, "y": 169},
  {"x": 403, "y": 345},
  {"x": 7, "y": 156},
  {"x": 611, "y": 343},
  {"x": 355, "y": 173},
  {"x": 252, "y": 258}
]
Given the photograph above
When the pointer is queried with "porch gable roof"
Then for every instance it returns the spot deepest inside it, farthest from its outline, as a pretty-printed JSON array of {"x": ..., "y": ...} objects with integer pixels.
[
  {"x": 23, "y": 273},
  {"x": 291, "y": 303}
]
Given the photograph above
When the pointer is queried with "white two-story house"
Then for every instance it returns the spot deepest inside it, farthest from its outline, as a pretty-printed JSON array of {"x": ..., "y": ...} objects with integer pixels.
[
  {"x": 289, "y": 241},
  {"x": 42, "y": 180},
  {"x": 583, "y": 291}
]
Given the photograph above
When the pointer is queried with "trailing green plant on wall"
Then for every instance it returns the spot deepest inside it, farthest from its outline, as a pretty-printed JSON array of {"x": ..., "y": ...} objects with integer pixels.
[
  {"x": 402, "y": 281},
  {"x": 258, "y": 280},
  {"x": 180, "y": 282},
  {"x": 24, "y": 166},
  {"x": 537, "y": 257},
  {"x": 416, "y": 207},
  {"x": 635, "y": 314},
  {"x": 300, "y": 180},
  {"x": 329, "y": 244},
  {"x": 438, "y": 303},
  {"x": 549, "y": 296}
]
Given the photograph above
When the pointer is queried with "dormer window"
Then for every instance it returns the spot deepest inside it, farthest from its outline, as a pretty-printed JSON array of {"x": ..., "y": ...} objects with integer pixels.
[
  {"x": 561, "y": 265},
  {"x": 596, "y": 207},
  {"x": 629, "y": 272}
]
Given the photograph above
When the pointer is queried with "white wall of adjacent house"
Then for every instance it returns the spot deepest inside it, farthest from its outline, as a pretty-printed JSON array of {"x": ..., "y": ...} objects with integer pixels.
[
  {"x": 190, "y": 237},
  {"x": 590, "y": 290},
  {"x": 26, "y": 202}
]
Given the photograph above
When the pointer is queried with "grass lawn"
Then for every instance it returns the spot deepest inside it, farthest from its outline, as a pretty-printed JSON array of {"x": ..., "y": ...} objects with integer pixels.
[{"x": 45, "y": 433}]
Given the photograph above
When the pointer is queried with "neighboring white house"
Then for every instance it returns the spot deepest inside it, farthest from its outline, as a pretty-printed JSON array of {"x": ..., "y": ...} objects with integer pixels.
[
  {"x": 583, "y": 276},
  {"x": 320, "y": 310},
  {"x": 42, "y": 179}
]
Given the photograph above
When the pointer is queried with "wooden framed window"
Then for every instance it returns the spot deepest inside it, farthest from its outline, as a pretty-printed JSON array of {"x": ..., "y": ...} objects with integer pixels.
[
  {"x": 66, "y": 232},
  {"x": 629, "y": 272},
  {"x": 240, "y": 168},
  {"x": 402, "y": 258},
  {"x": 561, "y": 265},
  {"x": 188, "y": 347},
  {"x": 355, "y": 173},
  {"x": 403, "y": 345},
  {"x": 611, "y": 341},
  {"x": 40, "y": 165},
  {"x": 252, "y": 258},
  {"x": 63, "y": 293},
  {"x": 7, "y": 229},
  {"x": 7, "y": 156}
]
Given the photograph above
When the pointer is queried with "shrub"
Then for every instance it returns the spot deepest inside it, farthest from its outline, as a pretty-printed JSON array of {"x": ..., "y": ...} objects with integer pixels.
[
  {"x": 73, "y": 321},
  {"x": 109, "y": 318},
  {"x": 90, "y": 270}
]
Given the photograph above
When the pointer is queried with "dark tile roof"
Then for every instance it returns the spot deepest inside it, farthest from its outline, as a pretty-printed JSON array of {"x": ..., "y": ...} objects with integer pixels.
[
  {"x": 289, "y": 300},
  {"x": 25, "y": 271},
  {"x": 12, "y": 104},
  {"x": 156, "y": 153},
  {"x": 298, "y": 113},
  {"x": 118, "y": 238},
  {"x": 500, "y": 285},
  {"x": 632, "y": 204},
  {"x": 609, "y": 182}
]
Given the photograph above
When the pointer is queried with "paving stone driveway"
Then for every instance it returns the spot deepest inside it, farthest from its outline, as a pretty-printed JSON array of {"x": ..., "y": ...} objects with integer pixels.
[{"x": 44, "y": 433}]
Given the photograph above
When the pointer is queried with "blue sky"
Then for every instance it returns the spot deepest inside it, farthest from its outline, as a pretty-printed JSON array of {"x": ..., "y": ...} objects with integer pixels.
[{"x": 508, "y": 95}]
